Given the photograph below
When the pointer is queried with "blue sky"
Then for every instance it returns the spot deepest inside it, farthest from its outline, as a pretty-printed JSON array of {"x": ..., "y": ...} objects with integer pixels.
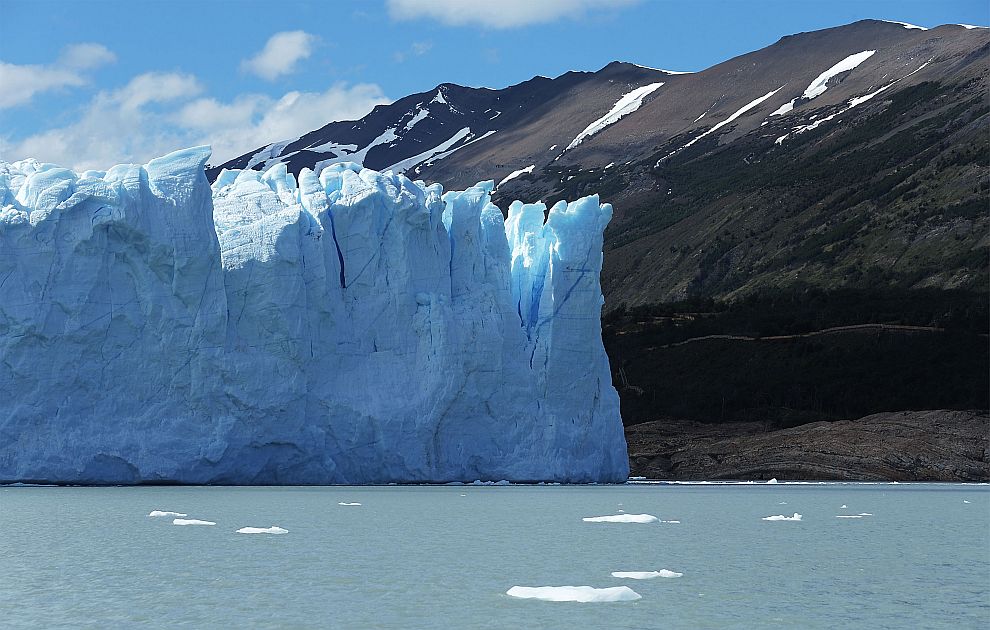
[{"x": 90, "y": 83}]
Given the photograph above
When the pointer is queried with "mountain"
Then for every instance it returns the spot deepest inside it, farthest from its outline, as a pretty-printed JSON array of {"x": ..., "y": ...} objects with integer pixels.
[
  {"x": 800, "y": 233},
  {"x": 850, "y": 156}
]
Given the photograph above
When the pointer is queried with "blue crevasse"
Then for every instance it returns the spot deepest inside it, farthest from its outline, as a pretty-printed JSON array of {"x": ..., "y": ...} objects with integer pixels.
[{"x": 351, "y": 327}]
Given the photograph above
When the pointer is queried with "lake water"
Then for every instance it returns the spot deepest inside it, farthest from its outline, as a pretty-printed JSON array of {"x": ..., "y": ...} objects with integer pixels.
[{"x": 444, "y": 557}]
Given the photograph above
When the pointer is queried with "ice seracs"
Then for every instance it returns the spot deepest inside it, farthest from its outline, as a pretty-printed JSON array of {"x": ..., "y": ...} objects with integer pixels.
[{"x": 348, "y": 326}]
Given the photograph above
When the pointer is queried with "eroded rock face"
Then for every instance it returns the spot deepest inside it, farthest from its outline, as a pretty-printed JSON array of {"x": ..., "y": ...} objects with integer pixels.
[
  {"x": 354, "y": 327},
  {"x": 938, "y": 445}
]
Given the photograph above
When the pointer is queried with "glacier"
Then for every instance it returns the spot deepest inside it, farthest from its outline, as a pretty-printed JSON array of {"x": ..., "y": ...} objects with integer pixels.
[{"x": 348, "y": 327}]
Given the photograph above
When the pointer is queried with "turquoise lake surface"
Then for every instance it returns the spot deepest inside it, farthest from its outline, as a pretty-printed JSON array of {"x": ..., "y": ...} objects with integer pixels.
[{"x": 444, "y": 556}]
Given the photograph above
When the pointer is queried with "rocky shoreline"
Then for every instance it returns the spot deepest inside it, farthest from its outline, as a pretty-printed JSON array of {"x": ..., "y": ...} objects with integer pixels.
[{"x": 937, "y": 445}]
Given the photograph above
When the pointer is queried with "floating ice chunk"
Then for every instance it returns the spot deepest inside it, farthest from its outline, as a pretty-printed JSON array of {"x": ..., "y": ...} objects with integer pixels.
[
  {"x": 646, "y": 575},
  {"x": 157, "y": 513},
  {"x": 865, "y": 514},
  {"x": 351, "y": 504},
  {"x": 191, "y": 521},
  {"x": 622, "y": 518},
  {"x": 773, "y": 480},
  {"x": 582, "y": 594},
  {"x": 274, "y": 529},
  {"x": 781, "y": 517},
  {"x": 782, "y": 503},
  {"x": 965, "y": 501},
  {"x": 677, "y": 522},
  {"x": 848, "y": 516},
  {"x": 842, "y": 507}
]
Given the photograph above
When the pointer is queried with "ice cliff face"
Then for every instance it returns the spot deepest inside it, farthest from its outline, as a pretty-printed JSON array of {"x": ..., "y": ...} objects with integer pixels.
[{"x": 355, "y": 327}]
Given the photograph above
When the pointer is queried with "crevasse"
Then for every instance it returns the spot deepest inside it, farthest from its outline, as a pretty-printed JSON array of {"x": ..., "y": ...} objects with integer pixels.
[{"x": 351, "y": 327}]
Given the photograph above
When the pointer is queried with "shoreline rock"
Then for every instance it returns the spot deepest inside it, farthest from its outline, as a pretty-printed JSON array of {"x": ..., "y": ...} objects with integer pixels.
[{"x": 935, "y": 445}]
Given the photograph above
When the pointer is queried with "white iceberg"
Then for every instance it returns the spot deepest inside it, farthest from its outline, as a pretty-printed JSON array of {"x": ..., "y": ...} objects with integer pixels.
[
  {"x": 342, "y": 327},
  {"x": 583, "y": 594},
  {"x": 191, "y": 521},
  {"x": 347, "y": 504},
  {"x": 781, "y": 517},
  {"x": 646, "y": 575},
  {"x": 622, "y": 518},
  {"x": 274, "y": 529},
  {"x": 160, "y": 513}
]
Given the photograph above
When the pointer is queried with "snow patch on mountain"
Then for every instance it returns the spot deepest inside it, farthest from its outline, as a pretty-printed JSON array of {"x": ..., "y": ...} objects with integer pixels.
[
  {"x": 906, "y": 25},
  {"x": 672, "y": 72},
  {"x": 421, "y": 114},
  {"x": 851, "y": 103},
  {"x": 736, "y": 114},
  {"x": 629, "y": 103},
  {"x": 820, "y": 84},
  {"x": 515, "y": 174},
  {"x": 404, "y": 165}
]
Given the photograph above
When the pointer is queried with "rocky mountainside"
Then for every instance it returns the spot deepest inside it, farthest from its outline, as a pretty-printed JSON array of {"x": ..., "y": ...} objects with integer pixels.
[
  {"x": 801, "y": 233},
  {"x": 847, "y": 157},
  {"x": 902, "y": 446}
]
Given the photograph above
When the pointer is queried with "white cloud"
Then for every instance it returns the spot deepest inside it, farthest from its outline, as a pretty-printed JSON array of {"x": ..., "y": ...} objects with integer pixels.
[
  {"x": 20, "y": 83},
  {"x": 497, "y": 13},
  {"x": 86, "y": 56},
  {"x": 254, "y": 120},
  {"x": 280, "y": 55},
  {"x": 119, "y": 126}
]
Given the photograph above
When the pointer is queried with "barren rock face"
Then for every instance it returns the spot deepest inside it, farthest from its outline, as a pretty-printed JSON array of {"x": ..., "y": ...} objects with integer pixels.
[{"x": 899, "y": 446}]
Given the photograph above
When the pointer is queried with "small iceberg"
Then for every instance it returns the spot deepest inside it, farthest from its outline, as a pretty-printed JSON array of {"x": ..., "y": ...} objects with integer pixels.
[
  {"x": 782, "y": 503},
  {"x": 842, "y": 507},
  {"x": 866, "y": 514},
  {"x": 773, "y": 480},
  {"x": 582, "y": 594},
  {"x": 848, "y": 516},
  {"x": 781, "y": 517},
  {"x": 965, "y": 501},
  {"x": 622, "y": 518},
  {"x": 677, "y": 522},
  {"x": 274, "y": 529},
  {"x": 191, "y": 521},
  {"x": 159, "y": 513},
  {"x": 646, "y": 575},
  {"x": 352, "y": 504}
]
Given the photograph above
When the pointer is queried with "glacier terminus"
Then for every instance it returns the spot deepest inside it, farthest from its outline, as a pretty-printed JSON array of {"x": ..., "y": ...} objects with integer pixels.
[{"x": 347, "y": 327}]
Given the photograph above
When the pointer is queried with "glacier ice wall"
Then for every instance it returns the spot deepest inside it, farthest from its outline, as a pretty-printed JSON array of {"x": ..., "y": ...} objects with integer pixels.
[{"x": 351, "y": 327}]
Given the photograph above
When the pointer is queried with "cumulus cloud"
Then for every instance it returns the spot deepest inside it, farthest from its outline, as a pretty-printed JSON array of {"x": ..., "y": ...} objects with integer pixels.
[
  {"x": 155, "y": 113},
  {"x": 86, "y": 56},
  {"x": 20, "y": 83},
  {"x": 497, "y": 13},
  {"x": 254, "y": 120},
  {"x": 280, "y": 55}
]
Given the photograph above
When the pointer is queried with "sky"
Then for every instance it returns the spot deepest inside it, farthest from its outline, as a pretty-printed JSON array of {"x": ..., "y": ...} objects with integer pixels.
[{"x": 92, "y": 83}]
